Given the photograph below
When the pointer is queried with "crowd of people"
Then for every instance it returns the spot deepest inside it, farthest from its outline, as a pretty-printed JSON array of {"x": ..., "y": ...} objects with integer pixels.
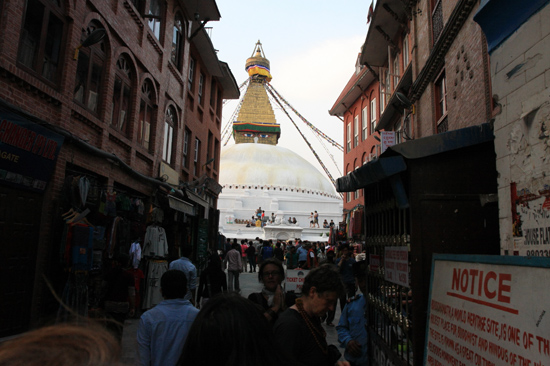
[{"x": 270, "y": 327}]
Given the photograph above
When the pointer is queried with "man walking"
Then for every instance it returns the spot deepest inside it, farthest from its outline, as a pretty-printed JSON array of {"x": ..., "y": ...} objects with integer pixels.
[
  {"x": 162, "y": 331},
  {"x": 184, "y": 264},
  {"x": 233, "y": 261},
  {"x": 345, "y": 266}
]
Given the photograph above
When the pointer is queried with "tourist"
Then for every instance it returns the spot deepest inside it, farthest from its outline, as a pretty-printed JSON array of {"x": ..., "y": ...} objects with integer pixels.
[
  {"x": 345, "y": 266},
  {"x": 294, "y": 221},
  {"x": 302, "y": 256},
  {"x": 299, "y": 331},
  {"x": 352, "y": 327},
  {"x": 311, "y": 221},
  {"x": 291, "y": 257},
  {"x": 231, "y": 331},
  {"x": 184, "y": 264},
  {"x": 271, "y": 299},
  {"x": 278, "y": 252},
  {"x": 234, "y": 267},
  {"x": 162, "y": 330},
  {"x": 251, "y": 256},
  {"x": 311, "y": 261},
  {"x": 266, "y": 251},
  {"x": 212, "y": 281},
  {"x": 331, "y": 314},
  {"x": 325, "y": 224},
  {"x": 244, "y": 247},
  {"x": 315, "y": 219}
]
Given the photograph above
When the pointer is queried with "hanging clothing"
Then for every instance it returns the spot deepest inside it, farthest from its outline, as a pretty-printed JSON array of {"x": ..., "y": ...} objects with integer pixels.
[
  {"x": 135, "y": 254},
  {"x": 155, "y": 243},
  {"x": 155, "y": 271},
  {"x": 83, "y": 188}
]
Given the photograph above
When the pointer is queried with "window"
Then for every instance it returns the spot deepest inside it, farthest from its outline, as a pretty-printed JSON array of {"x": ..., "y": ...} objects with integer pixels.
[
  {"x": 177, "y": 42},
  {"x": 201, "y": 87},
  {"x": 186, "y": 135},
  {"x": 169, "y": 123},
  {"x": 395, "y": 71},
  {"x": 196, "y": 158},
  {"x": 384, "y": 98},
  {"x": 191, "y": 75},
  {"x": 349, "y": 138},
  {"x": 365, "y": 123},
  {"x": 405, "y": 51},
  {"x": 121, "y": 95},
  {"x": 155, "y": 17},
  {"x": 88, "y": 81},
  {"x": 372, "y": 116},
  {"x": 356, "y": 131},
  {"x": 213, "y": 93},
  {"x": 441, "y": 96},
  {"x": 145, "y": 114},
  {"x": 42, "y": 38}
]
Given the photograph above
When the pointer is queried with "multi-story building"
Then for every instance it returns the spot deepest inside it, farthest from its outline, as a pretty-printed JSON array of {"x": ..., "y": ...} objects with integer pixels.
[
  {"x": 519, "y": 48},
  {"x": 415, "y": 178},
  {"x": 110, "y": 121}
]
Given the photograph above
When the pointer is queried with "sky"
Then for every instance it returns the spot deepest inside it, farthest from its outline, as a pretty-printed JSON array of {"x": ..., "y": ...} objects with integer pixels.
[{"x": 312, "y": 46}]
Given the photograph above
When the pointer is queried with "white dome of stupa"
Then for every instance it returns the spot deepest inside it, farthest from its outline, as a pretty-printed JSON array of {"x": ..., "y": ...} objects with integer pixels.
[{"x": 271, "y": 167}]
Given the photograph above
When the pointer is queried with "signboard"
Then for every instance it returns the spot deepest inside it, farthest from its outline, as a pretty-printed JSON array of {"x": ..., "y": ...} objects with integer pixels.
[
  {"x": 488, "y": 310},
  {"x": 387, "y": 139},
  {"x": 295, "y": 279},
  {"x": 396, "y": 265},
  {"x": 531, "y": 222},
  {"x": 28, "y": 152}
]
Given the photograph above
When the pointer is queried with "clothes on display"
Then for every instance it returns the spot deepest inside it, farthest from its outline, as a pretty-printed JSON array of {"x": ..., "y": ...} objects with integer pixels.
[
  {"x": 155, "y": 270},
  {"x": 155, "y": 243},
  {"x": 135, "y": 254}
]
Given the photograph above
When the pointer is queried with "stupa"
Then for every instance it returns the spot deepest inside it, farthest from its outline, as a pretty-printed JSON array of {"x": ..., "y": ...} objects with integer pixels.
[{"x": 256, "y": 173}]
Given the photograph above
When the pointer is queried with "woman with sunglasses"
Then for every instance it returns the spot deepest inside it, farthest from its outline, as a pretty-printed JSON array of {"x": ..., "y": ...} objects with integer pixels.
[{"x": 272, "y": 298}]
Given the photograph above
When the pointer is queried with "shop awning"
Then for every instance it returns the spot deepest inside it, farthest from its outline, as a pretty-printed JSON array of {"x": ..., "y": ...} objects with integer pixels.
[
  {"x": 181, "y": 206},
  {"x": 392, "y": 161}
]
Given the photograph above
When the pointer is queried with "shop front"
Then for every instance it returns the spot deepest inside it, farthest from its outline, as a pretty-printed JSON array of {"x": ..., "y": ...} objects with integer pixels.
[{"x": 432, "y": 195}]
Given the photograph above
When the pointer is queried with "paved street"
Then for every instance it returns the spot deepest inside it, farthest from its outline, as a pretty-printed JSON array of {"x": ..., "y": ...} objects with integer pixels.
[{"x": 249, "y": 283}]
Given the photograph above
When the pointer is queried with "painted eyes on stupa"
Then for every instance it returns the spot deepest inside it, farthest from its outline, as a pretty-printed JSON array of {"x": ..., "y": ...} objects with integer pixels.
[{"x": 261, "y": 135}]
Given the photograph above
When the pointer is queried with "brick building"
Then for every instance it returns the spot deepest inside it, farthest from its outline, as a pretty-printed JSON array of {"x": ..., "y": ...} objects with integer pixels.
[
  {"x": 518, "y": 36},
  {"x": 419, "y": 156},
  {"x": 110, "y": 111}
]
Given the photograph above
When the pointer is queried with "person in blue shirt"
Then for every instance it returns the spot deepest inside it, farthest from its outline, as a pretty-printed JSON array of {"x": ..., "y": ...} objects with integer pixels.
[
  {"x": 302, "y": 256},
  {"x": 162, "y": 331},
  {"x": 352, "y": 331},
  {"x": 185, "y": 265}
]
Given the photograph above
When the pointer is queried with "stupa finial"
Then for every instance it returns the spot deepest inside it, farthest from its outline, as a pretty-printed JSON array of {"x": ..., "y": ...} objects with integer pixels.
[{"x": 257, "y": 65}]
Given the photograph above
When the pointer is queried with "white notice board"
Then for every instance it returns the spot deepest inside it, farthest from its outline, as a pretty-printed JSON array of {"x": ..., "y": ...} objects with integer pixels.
[
  {"x": 295, "y": 279},
  {"x": 488, "y": 310}
]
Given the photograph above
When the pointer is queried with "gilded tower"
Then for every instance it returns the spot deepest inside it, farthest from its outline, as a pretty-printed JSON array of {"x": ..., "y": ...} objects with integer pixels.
[{"x": 256, "y": 120}]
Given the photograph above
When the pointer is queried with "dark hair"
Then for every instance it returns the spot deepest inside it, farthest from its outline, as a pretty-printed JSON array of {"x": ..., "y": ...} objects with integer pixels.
[
  {"x": 359, "y": 268},
  {"x": 186, "y": 250},
  {"x": 173, "y": 284},
  {"x": 240, "y": 332},
  {"x": 273, "y": 261},
  {"x": 323, "y": 278},
  {"x": 63, "y": 345},
  {"x": 343, "y": 246}
]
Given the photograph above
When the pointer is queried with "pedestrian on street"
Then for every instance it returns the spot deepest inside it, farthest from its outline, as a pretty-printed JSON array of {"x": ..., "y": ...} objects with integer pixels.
[
  {"x": 352, "y": 327},
  {"x": 302, "y": 256},
  {"x": 272, "y": 299},
  {"x": 278, "y": 252},
  {"x": 212, "y": 281},
  {"x": 299, "y": 331},
  {"x": 162, "y": 331},
  {"x": 251, "y": 256},
  {"x": 185, "y": 265},
  {"x": 345, "y": 266},
  {"x": 231, "y": 331},
  {"x": 244, "y": 247},
  {"x": 233, "y": 262}
]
